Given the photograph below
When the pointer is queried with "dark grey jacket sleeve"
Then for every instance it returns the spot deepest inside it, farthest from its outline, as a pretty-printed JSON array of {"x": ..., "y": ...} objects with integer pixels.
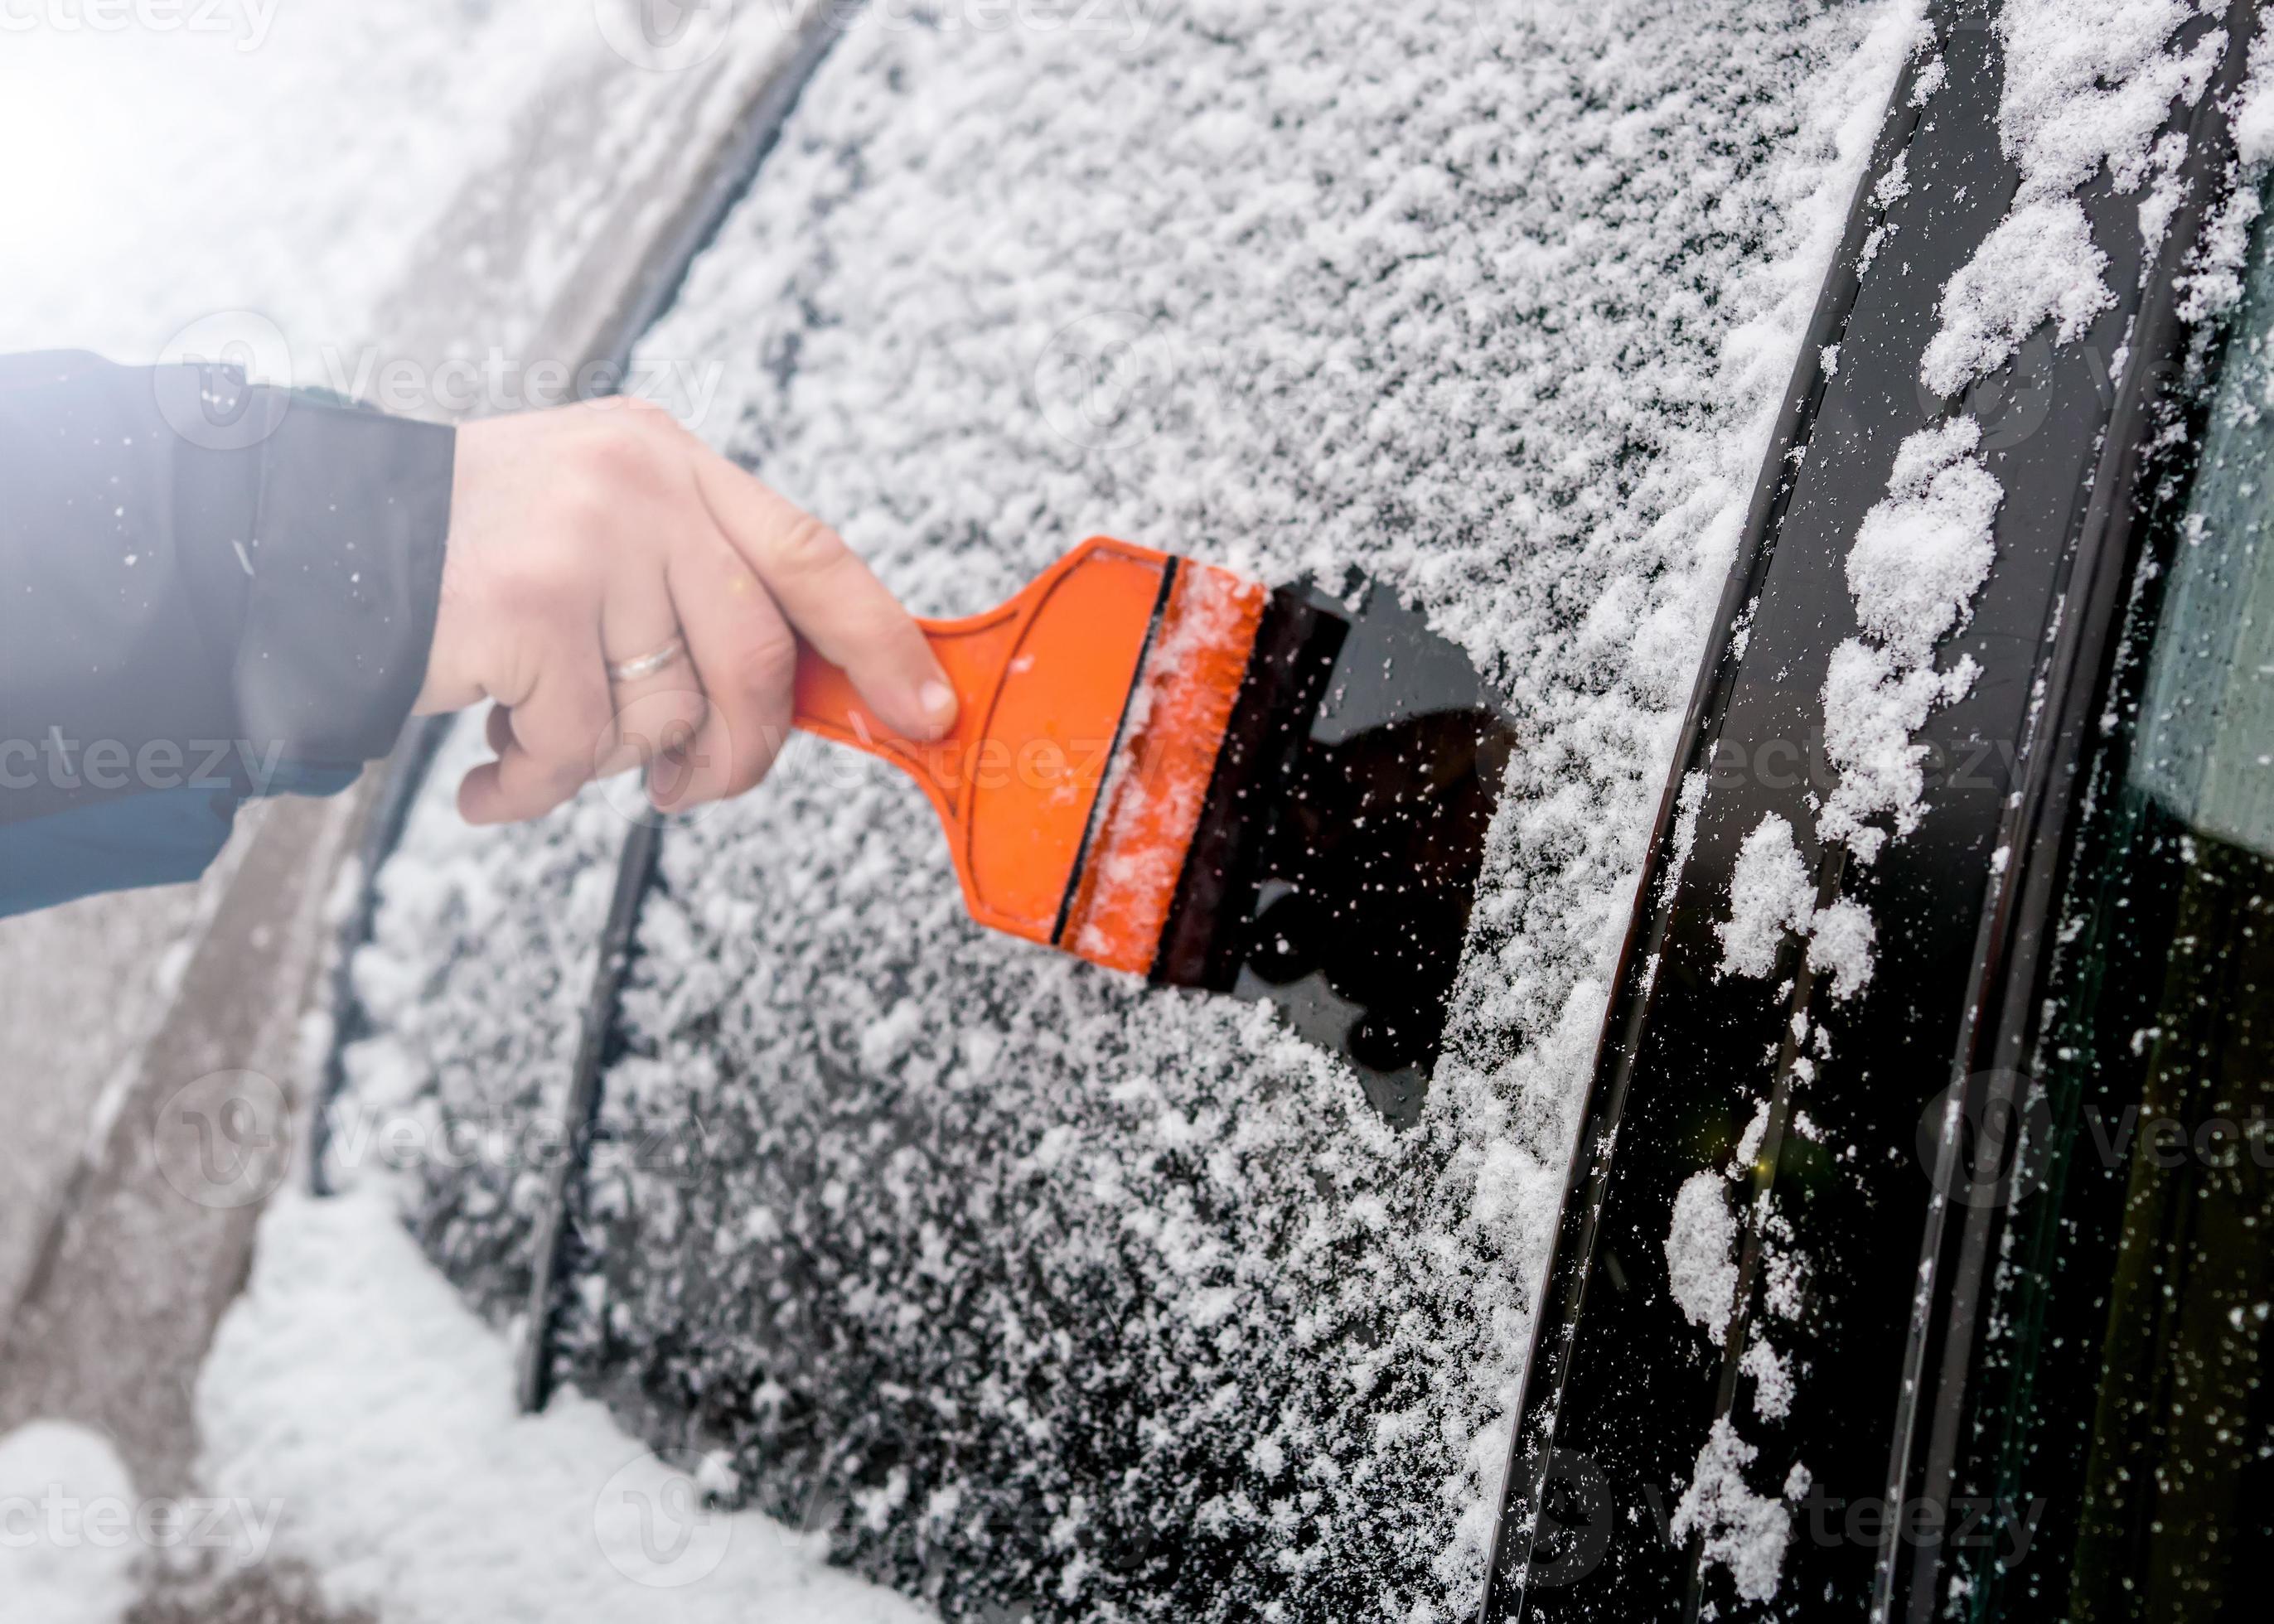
[{"x": 208, "y": 592}]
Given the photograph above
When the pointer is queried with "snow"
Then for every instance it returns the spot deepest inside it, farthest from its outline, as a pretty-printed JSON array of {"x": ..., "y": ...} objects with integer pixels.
[
  {"x": 1924, "y": 550},
  {"x": 2039, "y": 265},
  {"x": 2086, "y": 86},
  {"x": 2087, "y": 89},
  {"x": 2254, "y": 112},
  {"x": 1498, "y": 305},
  {"x": 1740, "y": 1531},
  {"x": 2089, "y": 83},
  {"x": 352, "y": 1384},
  {"x": 1770, "y": 894},
  {"x": 381, "y": 118},
  {"x": 1841, "y": 940},
  {"x": 1688, "y": 804},
  {"x": 1771, "y": 1374},
  {"x": 310, "y": 195},
  {"x": 2212, "y": 284},
  {"x": 1918, "y": 559},
  {"x": 64, "y": 1558},
  {"x": 1153, "y": 795},
  {"x": 1701, "y": 1260},
  {"x": 1873, "y": 704}
]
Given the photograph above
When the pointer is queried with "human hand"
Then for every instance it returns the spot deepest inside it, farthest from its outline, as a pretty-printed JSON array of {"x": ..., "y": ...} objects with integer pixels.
[{"x": 586, "y": 544}]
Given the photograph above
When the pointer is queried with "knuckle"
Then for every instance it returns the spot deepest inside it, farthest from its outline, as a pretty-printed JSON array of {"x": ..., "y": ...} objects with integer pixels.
[
  {"x": 581, "y": 506},
  {"x": 627, "y": 460},
  {"x": 765, "y": 665},
  {"x": 645, "y": 417},
  {"x": 621, "y": 457},
  {"x": 809, "y": 548}
]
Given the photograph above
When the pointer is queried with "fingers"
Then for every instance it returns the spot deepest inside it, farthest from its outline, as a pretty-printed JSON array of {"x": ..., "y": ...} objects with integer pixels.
[
  {"x": 831, "y": 598},
  {"x": 746, "y": 657},
  {"x": 657, "y": 715},
  {"x": 554, "y": 732},
  {"x": 579, "y": 542}
]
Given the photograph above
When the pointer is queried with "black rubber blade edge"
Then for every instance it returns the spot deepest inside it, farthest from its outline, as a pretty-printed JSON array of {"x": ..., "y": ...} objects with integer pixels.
[{"x": 1205, "y": 939}]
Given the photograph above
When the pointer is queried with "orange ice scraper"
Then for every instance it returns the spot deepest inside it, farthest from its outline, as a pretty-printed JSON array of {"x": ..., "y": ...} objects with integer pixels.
[{"x": 1138, "y": 759}]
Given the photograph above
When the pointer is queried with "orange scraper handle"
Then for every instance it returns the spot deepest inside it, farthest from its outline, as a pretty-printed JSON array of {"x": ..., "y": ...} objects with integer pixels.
[{"x": 1043, "y": 683}]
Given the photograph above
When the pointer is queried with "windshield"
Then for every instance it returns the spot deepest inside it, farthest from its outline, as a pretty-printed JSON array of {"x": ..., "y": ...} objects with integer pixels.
[{"x": 2137, "y": 1434}]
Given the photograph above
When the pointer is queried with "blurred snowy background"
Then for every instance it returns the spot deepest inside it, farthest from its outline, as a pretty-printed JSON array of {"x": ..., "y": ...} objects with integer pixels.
[{"x": 345, "y": 184}]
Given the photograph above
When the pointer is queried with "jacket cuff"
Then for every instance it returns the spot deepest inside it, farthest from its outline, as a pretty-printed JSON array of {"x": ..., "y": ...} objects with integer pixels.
[{"x": 345, "y": 560}]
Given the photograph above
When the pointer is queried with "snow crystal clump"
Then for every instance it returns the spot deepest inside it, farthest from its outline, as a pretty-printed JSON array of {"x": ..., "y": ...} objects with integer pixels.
[
  {"x": 1873, "y": 704},
  {"x": 2087, "y": 84},
  {"x": 1771, "y": 1374},
  {"x": 1742, "y": 1532},
  {"x": 1770, "y": 893},
  {"x": 2254, "y": 109},
  {"x": 57, "y": 1565},
  {"x": 1701, "y": 1247},
  {"x": 1841, "y": 940},
  {"x": 2040, "y": 264},
  {"x": 1924, "y": 550},
  {"x": 1921, "y": 555}
]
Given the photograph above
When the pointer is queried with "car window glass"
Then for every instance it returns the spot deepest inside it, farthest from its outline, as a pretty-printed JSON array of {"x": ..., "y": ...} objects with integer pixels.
[
  {"x": 2206, "y": 745},
  {"x": 2132, "y": 1428}
]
